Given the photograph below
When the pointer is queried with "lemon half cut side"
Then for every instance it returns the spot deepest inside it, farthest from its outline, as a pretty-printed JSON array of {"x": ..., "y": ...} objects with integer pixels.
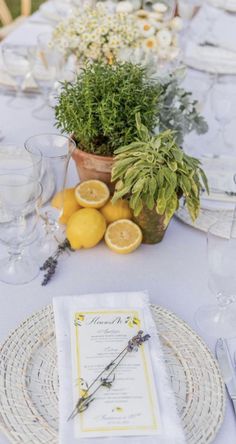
[
  {"x": 123, "y": 236},
  {"x": 92, "y": 194}
]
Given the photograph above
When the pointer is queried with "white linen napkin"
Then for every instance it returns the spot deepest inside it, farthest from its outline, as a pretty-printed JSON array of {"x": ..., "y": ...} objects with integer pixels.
[
  {"x": 210, "y": 59},
  {"x": 171, "y": 430},
  {"x": 229, "y": 5},
  {"x": 211, "y": 41},
  {"x": 214, "y": 26}
]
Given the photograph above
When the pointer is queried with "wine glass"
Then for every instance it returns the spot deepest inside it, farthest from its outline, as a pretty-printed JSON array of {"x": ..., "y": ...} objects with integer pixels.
[
  {"x": 16, "y": 159},
  {"x": 46, "y": 63},
  {"x": 20, "y": 198},
  {"x": 170, "y": 9},
  {"x": 56, "y": 151},
  {"x": 16, "y": 60},
  {"x": 187, "y": 8},
  {"x": 219, "y": 320}
]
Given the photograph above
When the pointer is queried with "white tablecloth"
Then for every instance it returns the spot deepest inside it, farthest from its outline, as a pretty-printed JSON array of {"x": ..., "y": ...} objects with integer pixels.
[{"x": 174, "y": 272}]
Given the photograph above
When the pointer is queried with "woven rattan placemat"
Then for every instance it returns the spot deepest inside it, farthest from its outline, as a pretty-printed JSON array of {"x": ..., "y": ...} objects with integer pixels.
[{"x": 29, "y": 380}]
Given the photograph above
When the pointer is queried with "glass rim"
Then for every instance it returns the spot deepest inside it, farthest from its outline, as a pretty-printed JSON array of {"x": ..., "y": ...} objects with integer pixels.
[
  {"x": 61, "y": 156},
  {"x": 35, "y": 163},
  {"x": 33, "y": 198}
]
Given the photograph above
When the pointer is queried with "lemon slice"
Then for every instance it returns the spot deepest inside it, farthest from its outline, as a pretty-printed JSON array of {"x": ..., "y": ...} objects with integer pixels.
[
  {"x": 92, "y": 194},
  {"x": 123, "y": 236}
]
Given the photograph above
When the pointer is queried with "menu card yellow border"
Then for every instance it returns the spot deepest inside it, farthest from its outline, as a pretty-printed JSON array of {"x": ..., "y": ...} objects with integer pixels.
[{"x": 154, "y": 425}]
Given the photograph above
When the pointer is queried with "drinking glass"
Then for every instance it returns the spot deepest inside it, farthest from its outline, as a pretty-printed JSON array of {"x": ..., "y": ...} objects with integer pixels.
[
  {"x": 15, "y": 159},
  {"x": 20, "y": 198},
  {"x": 46, "y": 63},
  {"x": 186, "y": 8},
  {"x": 16, "y": 60},
  {"x": 219, "y": 320},
  {"x": 56, "y": 151},
  {"x": 171, "y": 8}
]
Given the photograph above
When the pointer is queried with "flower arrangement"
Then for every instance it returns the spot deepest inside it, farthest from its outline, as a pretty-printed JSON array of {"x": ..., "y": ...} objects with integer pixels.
[{"x": 98, "y": 33}]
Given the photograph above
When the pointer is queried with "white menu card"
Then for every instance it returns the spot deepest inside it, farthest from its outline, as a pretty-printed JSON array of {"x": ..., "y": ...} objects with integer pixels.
[{"x": 130, "y": 406}]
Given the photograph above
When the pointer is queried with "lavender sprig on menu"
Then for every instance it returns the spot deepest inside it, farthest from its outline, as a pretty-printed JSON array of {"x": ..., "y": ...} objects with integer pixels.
[
  {"x": 107, "y": 381},
  {"x": 51, "y": 263}
]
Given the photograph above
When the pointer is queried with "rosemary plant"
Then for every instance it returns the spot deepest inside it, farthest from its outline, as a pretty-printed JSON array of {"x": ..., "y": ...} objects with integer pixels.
[{"x": 99, "y": 108}]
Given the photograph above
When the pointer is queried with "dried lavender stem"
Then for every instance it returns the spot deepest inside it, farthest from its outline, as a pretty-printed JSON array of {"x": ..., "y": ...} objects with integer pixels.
[
  {"x": 84, "y": 401},
  {"x": 105, "y": 369}
]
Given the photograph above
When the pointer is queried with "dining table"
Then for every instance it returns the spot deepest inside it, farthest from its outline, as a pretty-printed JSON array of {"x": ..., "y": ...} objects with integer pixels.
[{"x": 174, "y": 272}]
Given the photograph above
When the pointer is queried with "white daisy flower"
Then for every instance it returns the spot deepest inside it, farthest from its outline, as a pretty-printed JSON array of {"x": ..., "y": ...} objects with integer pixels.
[
  {"x": 150, "y": 43},
  {"x": 159, "y": 7},
  {"x": 146, "y": 29},
  {"x": 142, "y": 14}
]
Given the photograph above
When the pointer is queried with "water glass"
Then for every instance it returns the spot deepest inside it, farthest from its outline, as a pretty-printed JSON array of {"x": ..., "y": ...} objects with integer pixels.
[
  {"x": 56, "y": 153},
  {"x": 15, "y": 58},
  {"x": 15, "y": 159},
  {"x": 46, "y": 64},
  {"x": 219, "y": 319},
  {"x": 20, "y": 199}
]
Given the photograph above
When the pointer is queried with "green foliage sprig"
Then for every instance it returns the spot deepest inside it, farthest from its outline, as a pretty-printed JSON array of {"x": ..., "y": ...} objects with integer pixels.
[
  {"x": 99, "y": 107},
  {"x": 153, "y": 171},
  {"x": 177, "y": 110}
]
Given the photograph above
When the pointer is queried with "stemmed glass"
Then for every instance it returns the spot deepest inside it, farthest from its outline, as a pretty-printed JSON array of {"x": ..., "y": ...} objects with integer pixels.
[
  {"x": 15, "y": 159},
  {"x": 56, "y": 151},
  {"x": 219, "y": 320},
  {"x": 16, "y": 60},
  {"x": 46, "y": 63},
  {"x": 20, "y": 198},
  {"x": 171, "y": 7},
  {"x": 186, "y": 8}
]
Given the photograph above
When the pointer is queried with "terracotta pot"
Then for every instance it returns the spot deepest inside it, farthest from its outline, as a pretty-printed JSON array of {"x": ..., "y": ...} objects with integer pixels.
[
  {"x": 92, "y": 166},
  {"x": 152, "y": 225}
]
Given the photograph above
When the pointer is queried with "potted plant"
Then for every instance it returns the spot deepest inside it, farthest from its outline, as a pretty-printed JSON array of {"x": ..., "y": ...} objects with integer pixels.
[
  {"x": 99, "y": 110},
  {"x": 153, "y": 172}
]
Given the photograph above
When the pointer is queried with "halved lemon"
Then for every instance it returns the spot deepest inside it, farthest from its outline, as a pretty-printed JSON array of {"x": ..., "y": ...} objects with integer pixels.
[
  {"x": 92, "y": 194},
  {"x": 123, "y": 236}
]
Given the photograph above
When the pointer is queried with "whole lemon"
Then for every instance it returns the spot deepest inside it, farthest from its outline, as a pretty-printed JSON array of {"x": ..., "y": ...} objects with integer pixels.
[
  {"x": 85, "y": 228},
  {"x": 115, "y": 211},
  {"x": 66, "y": 199}
]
